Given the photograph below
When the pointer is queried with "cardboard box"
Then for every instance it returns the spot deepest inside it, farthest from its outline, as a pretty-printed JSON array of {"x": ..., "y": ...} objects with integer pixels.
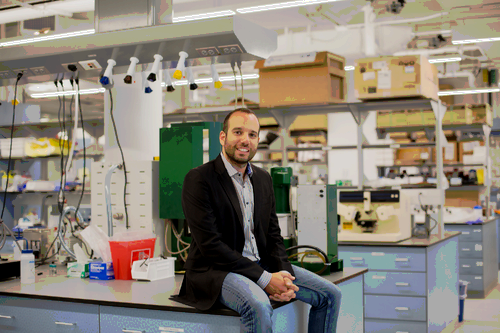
[
  {"x": 456, "y": 198},
  {"x": 391, "y": 119},
  {"x": 466, "y": 148},
  {"x": 312, "y": 78},
  {"x": 278, "y": 156},
  {"x": 310, "y": 122},
  {"x": 101, "y": 271},
  {"x": 411, "y": 156},
  {"x": 482, "y": 114},
  {"x": 395, "y": 77},
  {"x": 75, "y": 269},
  {"x": 450, "y": 153}
]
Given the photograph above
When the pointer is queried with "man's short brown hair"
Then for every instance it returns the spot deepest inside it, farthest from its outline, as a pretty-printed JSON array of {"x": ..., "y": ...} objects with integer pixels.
[{"x": 226, "y": 120}]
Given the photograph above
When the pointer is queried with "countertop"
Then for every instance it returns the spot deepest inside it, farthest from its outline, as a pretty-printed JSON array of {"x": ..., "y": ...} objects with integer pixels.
[
  {"x": 124, "y": 293},
  {"x": 492, "y": 219},
  {"x": 410, "y": 242}
]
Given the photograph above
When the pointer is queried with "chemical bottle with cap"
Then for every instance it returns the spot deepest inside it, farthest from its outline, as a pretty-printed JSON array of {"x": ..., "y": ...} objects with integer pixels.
[{"x": 27, "y": 267}]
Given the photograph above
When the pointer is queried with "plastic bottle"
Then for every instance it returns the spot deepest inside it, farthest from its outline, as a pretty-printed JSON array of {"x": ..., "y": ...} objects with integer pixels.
[
  {"x": 27, "y": 267},
  {"x": 478, "y": 213},
  {"x": 17, "y": 252},
  {"x": 52, "y": 270}
]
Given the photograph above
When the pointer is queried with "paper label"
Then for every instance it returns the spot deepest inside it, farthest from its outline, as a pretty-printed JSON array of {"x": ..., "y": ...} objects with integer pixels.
[
  {"x": 478, "y": 278},
  {"x": 384, "y": 80},
  {"x": 449, "y": 152},
  {"x": 478, "y": 247},
  {"x": 479, "y": 263},
  {"x": 368, "y": 76},
  {"x": 347, "y": 226},
  {"x": 379, "y": 65},
  {"x": 409, "y": 69}
]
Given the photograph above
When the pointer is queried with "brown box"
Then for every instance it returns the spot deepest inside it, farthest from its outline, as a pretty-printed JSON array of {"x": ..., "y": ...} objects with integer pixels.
[
  {"x": 450, "y": 153},
  {"x": 467, "y": 148},
  {"x": 411, "y": 156},
  {"x": 310, "y": 122},
  {"x": 449, "y": 100},
  {"x": 482, "y": 114},
  {"x": 393, "y": 77},
  {"x": 421, "y": 118},
  {"x": 315, "y": 82},
  {"x": 276, "y": 156},
  {"x": 391, "y": 119},
  {"x": 456, "y": 198}
]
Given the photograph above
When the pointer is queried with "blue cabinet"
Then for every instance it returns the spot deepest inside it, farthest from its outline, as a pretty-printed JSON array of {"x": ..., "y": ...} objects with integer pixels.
[
  {"x": 34, "y": 316},
  {"x": 477, "y": 256},
  {"x": 410, "y": 289}
]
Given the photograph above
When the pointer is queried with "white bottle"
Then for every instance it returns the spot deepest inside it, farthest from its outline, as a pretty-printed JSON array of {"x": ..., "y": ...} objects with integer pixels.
[
  {"x": 17, "y": 252},
  {"x": 27, "y": 267}
]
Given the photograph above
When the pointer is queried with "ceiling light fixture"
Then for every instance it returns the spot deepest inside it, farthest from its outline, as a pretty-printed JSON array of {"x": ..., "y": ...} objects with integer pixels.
[
  {"x": 203, "y": 16},
  {"x": 478, "y": 40},
  {"x": 51, "y": 37},
  {"x": 69, "y": 93},
  {"x": 349, "y": 68},
  {"x": 281, "y": 5},
  {"x": 468, "y": 91},
  {"x": 436, "y": 61}
]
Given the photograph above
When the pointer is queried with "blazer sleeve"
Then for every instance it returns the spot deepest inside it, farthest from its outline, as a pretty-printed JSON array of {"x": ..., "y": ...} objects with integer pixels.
[
  {"x": 275, "y": 246},
  {"x": 201, "y": 220}
]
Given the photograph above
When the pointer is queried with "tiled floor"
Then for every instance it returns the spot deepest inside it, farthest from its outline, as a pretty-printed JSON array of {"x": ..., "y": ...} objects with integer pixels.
[{"x": 481, "y": 315}]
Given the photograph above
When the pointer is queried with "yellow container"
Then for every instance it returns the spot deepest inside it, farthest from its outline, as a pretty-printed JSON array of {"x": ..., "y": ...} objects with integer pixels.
[{"x": 480, "y": 176}]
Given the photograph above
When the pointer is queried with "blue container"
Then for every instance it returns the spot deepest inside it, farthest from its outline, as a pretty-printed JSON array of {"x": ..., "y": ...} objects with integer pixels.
[{"x": 101, "y": 271}]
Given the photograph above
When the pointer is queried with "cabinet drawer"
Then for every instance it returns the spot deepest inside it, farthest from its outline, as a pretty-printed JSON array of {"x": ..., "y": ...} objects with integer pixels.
[
  {"x": 475, "y": 282},
  {"x": 395, "y": 283},
  {"x": 389, "y": 326},
  {"x": 469, "y": 233},
  {"x": 470, "y": 266},
  {"x": 32, "y": 315},
  {"x": 383, "y": 258},
  {"x": 395, "y": 307},
  {"x": 470, "y": 250}
]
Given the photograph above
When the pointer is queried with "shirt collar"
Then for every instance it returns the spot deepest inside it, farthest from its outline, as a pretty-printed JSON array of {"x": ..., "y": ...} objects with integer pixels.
[{"x": 231, "y": 170}]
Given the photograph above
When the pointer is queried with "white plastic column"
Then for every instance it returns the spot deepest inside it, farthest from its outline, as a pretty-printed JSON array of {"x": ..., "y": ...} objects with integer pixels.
[
  {"x": 442, "y": 183},
  {"x": 138, "y": 117},
  {"x": 369, "y": 31},
  {"x": 487, "y": 174}
]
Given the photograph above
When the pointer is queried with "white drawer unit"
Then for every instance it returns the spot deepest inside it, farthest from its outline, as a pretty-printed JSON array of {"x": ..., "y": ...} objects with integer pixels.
[
  {"x": 478, "y": 257},
  {"x": 408, "y": 289}
]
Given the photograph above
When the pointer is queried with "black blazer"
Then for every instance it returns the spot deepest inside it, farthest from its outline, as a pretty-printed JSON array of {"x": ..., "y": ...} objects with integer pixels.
[{"x": 214, "y": 217}]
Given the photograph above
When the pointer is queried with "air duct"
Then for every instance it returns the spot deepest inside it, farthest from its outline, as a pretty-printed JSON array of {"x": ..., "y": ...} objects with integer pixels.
[{"x": 468, "y": 75}]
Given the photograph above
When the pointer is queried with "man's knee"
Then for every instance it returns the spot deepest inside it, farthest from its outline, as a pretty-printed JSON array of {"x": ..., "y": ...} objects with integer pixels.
[
  {"x": 334, "y": 293},
  {"x": 260, "y": 306}
]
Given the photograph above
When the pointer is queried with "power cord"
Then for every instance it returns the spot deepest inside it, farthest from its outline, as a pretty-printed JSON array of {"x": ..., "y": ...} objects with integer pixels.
[
  {"x": 123, "y": 161},
  {"x": 238, "y": 63},
  {"x": 2, "y": 224},
  {"x": 235, "y": 85}
]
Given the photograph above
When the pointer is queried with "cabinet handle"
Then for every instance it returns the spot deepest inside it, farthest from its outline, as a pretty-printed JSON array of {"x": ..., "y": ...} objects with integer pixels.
[
  {"x": 7, "y": 317},
  {"x": 477, "y": 230},
  {"x": 402, "y": 308},
  {"x": 65, "y": 324},
  {"x": 378, "y": 277},
  {"x": 402, "y": 332},
  {"x": 401, "y": 260},
  {"x": 465, "y": 249},
  {"x": 131, "y": 331},
  {"x": 378, "y": 254},
  {"x": 356, "y": 259},
  {"x": 402, "y": 284},
  {"x": 465, "y": 232},
  {"x": 465, "y": 266}
]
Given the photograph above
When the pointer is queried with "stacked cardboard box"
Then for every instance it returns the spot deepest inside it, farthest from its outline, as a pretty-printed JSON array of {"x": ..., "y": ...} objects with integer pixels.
[{"x": 395, "y": 77}]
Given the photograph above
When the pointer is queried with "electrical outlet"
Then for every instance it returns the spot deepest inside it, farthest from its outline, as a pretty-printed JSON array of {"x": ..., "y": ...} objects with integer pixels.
[
  {"x": 7, "y": 75},
  {"x": 90, "y": 64},
  {"x": 25, "y": 71},
  {"x": 208, "y": 51},
  {"x": 231, "y": 49},
  {"x": 66, "y": 67},
  {"x": 39, "y": 70}
]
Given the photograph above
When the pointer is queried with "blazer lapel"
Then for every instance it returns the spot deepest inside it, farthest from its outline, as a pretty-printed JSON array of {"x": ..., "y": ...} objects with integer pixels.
[
  {"x": 257, "y": 199},
  {"x": 228, "y": 186}
]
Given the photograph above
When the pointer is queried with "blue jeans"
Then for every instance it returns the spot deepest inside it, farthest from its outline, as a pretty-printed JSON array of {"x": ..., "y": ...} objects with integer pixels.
[{"x": 253, "y": 304}]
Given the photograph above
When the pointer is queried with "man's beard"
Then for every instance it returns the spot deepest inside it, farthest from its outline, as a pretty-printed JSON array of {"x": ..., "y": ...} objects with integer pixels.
[{"x": 231, "y": 154}]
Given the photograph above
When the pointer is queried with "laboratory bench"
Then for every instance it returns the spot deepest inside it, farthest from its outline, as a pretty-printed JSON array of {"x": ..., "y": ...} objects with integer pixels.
[
  {"x": 60, "y": 304},
  {"x": 411, "y": 286},
  {"x": 477, "y": 256}
]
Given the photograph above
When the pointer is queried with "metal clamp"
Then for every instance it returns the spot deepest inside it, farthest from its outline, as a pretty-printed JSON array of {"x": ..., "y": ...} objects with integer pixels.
[{"x": 65, "y": 324}]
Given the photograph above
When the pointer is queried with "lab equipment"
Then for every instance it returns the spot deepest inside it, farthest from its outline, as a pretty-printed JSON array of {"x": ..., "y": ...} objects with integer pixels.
[
  {"x": 374, "y": 216},
  {"x": 127, "y": 247},
  {"x": 153, "y": 269},
  {"x": 106, "y": 78},
  {"x": 318, "y": 225},
  {"x": 52, "y": 270},
  {"x": 215, "y": 77},
  {"x": 156, "y": 67},
  {"x": 282, "y": 178},
  {"x": 180, "y": 65},
  {"x": 27, "y": 267},
  {"x": 131, "y": 70}
]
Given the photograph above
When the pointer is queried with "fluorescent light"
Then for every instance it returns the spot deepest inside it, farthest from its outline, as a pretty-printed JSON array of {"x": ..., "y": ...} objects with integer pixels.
[
  {"x": 468, "y": 91},
  {"x": 281, "y": 5},
  {"x": 203, "y": 16},
  {"x": 51, "y": 37},
  {"x": 349, "y": 68},
  {"x": 69, "y": 93},
  {"x": 435, "y": 61},
  {"x": 478, "y": 40}
]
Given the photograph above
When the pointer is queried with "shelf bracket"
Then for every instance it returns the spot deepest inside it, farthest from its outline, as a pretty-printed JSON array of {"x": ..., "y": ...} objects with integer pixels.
[{"x": 283, "y": 120}]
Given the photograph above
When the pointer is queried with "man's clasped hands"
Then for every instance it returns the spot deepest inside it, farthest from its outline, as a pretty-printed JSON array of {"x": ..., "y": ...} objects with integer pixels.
[{"x": 281, "y": 287}]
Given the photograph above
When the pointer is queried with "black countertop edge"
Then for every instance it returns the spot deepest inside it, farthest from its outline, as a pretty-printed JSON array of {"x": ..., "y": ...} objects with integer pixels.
[
  {"x": 352, "y": 276},
  {"x": 409, "y": 242},
  {"x": 492, "y": 219}
]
